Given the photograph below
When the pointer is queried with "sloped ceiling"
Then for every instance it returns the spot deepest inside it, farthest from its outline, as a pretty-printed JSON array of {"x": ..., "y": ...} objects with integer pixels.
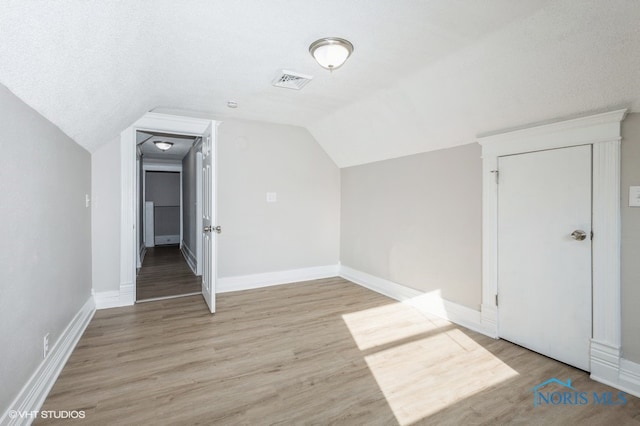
[{"x": 424, "y": 74}]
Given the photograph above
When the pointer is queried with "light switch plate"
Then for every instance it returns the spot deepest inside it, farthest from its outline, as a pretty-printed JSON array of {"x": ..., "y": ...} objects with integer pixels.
[
  {"x": 272, "y": 197},
  {"x": 634, "y": 196}
]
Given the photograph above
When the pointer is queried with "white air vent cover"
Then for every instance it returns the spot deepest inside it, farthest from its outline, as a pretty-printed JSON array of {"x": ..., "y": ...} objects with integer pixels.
[{"x": 291, "y": 80}]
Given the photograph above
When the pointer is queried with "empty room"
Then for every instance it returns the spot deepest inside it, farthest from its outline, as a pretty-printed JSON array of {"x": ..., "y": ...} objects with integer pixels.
[{"x": 320, "y": 212}]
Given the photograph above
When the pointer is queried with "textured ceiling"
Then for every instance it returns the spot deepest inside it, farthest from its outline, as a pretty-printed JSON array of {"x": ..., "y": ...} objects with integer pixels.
[{"x": 424, "y": 74}]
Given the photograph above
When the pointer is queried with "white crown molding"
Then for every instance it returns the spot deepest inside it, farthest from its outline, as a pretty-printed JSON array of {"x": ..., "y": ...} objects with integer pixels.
[
  {"x": 35, "y": 391},
  {"x": 578, "y": 131}
]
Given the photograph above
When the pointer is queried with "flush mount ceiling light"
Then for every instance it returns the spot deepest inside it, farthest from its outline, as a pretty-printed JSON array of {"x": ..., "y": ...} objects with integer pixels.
[
  {"x": 331, "y": 52},
  {"x": 163, "y": 145}
]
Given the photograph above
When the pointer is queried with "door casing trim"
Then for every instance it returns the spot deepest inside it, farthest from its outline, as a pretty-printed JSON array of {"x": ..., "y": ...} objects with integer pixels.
[
  {"x": 151, "y": 121},
  {"x": 603, "y": 132}
]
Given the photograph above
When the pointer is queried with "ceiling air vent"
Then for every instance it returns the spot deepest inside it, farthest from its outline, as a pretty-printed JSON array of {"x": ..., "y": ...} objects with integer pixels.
[{"x": 292, "y": 80}]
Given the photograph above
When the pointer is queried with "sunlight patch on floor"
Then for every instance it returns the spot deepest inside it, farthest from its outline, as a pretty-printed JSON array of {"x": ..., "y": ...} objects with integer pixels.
[
  {"x": 420, "y": 374},
  {"x": 386, "y": 324}
]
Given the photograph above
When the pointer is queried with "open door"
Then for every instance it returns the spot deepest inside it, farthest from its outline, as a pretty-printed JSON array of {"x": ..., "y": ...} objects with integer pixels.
[{"x": 209, "y": 217}]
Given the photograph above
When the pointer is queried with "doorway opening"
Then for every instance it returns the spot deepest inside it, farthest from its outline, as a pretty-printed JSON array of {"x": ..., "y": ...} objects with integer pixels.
[
  {"x": 169, "y": 250},
  {"x": 130, "y": 253}
]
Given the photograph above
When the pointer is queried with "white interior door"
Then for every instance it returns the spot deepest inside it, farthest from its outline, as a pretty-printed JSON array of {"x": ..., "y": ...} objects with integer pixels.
[
  {"x": 544, "y": 273},
  {"x": 209, "y": 227}
]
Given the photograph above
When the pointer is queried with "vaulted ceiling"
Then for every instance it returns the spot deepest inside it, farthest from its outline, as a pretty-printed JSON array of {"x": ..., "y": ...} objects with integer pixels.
[{"x": 425, "y": 74}]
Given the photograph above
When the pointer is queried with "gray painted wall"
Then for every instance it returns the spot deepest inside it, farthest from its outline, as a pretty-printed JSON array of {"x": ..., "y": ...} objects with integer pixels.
[
  {"x": 630, "y": 239},
  {"x": 189, "y": 199},
  {"x": 105, "y": 217},
  {"x": 45, "y": 261},
  {"x": 417, "y": 221},
  {"x": 301, "y": 229},
  {"x": 163, "y": 188}
]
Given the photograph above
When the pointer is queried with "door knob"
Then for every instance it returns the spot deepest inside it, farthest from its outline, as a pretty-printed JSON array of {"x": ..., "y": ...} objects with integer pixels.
[
  {"x": 578, "y": 235},
  {"x": 212, "y": 228}
]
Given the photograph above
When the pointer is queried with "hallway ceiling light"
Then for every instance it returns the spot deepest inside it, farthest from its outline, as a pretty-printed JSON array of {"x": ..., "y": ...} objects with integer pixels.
[
  {"x": 163, "y": 145},
  {"x": 331, "y": 52}
]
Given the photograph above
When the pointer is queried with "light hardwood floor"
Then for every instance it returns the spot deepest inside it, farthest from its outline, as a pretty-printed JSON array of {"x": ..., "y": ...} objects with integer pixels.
[
  {"x": 165, "y": 273},
  {"x": 321, "y": 352}
]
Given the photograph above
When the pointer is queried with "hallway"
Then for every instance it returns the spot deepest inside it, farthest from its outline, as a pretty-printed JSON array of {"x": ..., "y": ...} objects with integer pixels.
[{"x": 165, "y": 273}]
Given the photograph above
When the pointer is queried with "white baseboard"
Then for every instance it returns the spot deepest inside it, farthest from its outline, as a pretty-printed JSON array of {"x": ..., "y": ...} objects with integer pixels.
[
  {"x": 143, "y": 252},
  {"x": 605, "y": 362},
  {"x": 107, "y": 299},
  {"x": 430, "y": 303},
  {"x": 166, "y": 239},
  {"x": 115, "y": 298},
  {"x": 379, "y": 285},
  {"x": 189, "y": 257},
  {"x": 127, "y": 294},
  {"x": 609, "y": 368},
  {"x": 629, "y": 379},
  {"x": 35, "y": 391},
  {"x": 247, "y": 282}
]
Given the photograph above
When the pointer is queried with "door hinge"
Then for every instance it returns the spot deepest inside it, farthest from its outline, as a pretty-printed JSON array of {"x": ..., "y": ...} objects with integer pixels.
[
  {"x": 592, "y": 235},
  {"x": 496, "y": 173},
  {"x": 496, "y": 300}
]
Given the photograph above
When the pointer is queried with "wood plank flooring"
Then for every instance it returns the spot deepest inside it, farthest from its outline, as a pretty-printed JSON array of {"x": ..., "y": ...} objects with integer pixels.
[
  {"x": 320, "y": 352},
  {"x": 165, "y": 273}
]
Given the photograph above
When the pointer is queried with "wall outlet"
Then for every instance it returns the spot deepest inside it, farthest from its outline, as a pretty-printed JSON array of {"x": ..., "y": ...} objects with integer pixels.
[
  {"x": 634, "y": 196},
  {"x": 272, "y": 197},
  {"x": 45, "y": 346}
]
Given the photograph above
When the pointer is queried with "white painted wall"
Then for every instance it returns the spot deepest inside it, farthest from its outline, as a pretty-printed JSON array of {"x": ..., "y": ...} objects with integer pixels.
[
  {"x": 416, "y": 221},
  {"x": 105, "y": 225},
  {"x": 301, "y": 229},
  {"x": 45, "y": 260}
]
